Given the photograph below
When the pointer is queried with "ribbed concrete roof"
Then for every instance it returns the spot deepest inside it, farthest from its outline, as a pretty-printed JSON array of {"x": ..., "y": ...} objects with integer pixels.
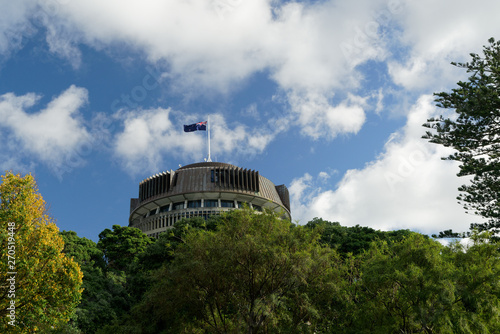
[{"x": 207, "y": 180}]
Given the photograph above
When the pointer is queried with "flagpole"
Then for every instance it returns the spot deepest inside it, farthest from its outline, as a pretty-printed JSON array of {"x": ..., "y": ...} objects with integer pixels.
[{"x": 208, "y": 133}]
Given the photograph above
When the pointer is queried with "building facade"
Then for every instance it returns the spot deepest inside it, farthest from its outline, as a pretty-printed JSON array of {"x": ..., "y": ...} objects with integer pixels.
[{"x": 200, "y": 190}]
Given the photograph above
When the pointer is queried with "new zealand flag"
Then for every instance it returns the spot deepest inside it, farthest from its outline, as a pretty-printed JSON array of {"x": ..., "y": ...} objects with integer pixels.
[{"x": 202, "y": 126}]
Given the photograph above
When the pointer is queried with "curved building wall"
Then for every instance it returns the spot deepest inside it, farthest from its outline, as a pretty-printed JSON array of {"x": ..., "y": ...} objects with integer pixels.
[{"x": 202, "y": 189}]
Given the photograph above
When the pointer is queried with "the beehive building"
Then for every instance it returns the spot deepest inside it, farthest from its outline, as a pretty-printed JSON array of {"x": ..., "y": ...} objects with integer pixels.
[{"x": 202, "y": 189}]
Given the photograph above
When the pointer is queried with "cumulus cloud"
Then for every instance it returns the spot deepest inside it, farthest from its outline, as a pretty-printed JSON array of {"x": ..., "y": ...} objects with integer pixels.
[
  {"x": 408, "y": 185},
  {"x": 313, "y": 51},
  {"x": 308, "y": 49},
  {"x": 148, "y": 136},
  {"x": 14, "y": 25},
  {"x": 318, "y": 118},
  {"x": 51, "y": 134},
  {"x": 62, "y": 41},
  {"x": 434, "y": 34}
]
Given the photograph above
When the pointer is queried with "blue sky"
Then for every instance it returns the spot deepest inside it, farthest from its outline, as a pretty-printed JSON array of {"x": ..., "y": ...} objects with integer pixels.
[{"x": 327, "y": 97}]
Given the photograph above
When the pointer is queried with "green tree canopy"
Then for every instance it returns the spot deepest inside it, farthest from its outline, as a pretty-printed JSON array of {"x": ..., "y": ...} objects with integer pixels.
[
  {"x": 474, "y": 133},
  {"x": 417, "y": 285},
  {"x": 476, "y": 278},
  {"x": 102, "y": 298},
  {"x": 407, "y": 288},
  {"x": 355, "y": 239},
  {"x": 47, "y": 282},
  {"x": 256, "y": 273},
  {"x": 122, "y": 245},
  {"x": 162, "y": 250},
  {"x": 84, "y": 251}
]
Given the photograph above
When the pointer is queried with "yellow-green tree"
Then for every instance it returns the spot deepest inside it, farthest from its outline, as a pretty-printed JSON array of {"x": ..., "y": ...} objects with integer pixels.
[{"x": 39, "y": 285}]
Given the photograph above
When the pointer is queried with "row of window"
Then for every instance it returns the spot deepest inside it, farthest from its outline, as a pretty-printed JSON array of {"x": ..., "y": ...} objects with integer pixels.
[
  {"x": 170, "y": 220},
  {"x": 207, "y": 203}
]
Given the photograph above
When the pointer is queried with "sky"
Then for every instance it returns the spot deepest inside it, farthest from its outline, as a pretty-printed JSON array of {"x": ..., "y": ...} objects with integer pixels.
[{"x": 327, "y": 97}]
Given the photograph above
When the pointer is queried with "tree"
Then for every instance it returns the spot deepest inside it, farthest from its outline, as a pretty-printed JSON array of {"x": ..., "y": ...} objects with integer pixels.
[
  {"x": 477, "y": 282},
  {"x": 416, "y": 285},
  {"x": 163, "y": 249},
  {"x": 355, "y": 239},
  {"x": 122, "y": 246},
  {"x": 256, "y": 273},
  {"x": 140, "y": 273},
  {"x": 100, "y": 304},
  {"x": 39, "y": 285},
  {"x": 407, "y": 288},
  {"x": 474, "y": 133}
]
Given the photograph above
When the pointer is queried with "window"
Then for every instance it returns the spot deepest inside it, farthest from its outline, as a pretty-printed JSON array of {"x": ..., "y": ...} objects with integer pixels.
[
  {"x": 178, "y": 206},
  {"x": 227, "y": 204},
  {"x": 194, "y": 204},
  {"x": 211, "y": 203},
  {"x": 165, "y": 208},
  {"x": 152, "y": 212},
  {"x": 256, "y": 207}
]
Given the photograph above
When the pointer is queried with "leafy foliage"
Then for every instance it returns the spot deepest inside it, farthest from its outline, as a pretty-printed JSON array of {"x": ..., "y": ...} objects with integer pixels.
[
  {"x": 256, "y": 273},
  {"x": 476, "y": 280},
  {"x": 475, "y": 133},
  {"x": 408, "y": 288},
  {"x": 450, "y": 234},
  {"x": 103, "y": 295},
  {"x": 122, "y": 245},
  {"x": 47, "y": 282},
  {"x": 354, "y": 240},
  {"x": 416, "y": 285}
]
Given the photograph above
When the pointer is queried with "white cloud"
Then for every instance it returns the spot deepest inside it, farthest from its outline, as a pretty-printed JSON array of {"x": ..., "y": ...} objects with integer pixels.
[
  {"x": 323, "y": 176},
  {"x": 319, "y": 119},
  {"x": 14, "y": 25},
  {"x": 231, "y": 138},
  {"x": 62, "y": 41},
  {"x": 309, "y": 49},
  {"x": 297, "y": 190},
  {"x": 408, "y": 186},
  {"x": 251, "y": 111},
  {"x": 436, "y": 33},
  {"x": 52, "y": 134},
  {"x": 313, "y": 51},
  {"x": 317, "y": 46},
  {"x": 149, "y": 135}
]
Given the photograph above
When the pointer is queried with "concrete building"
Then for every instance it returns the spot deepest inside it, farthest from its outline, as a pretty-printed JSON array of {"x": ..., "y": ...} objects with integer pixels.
[{"x": 202, "y": 189}]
